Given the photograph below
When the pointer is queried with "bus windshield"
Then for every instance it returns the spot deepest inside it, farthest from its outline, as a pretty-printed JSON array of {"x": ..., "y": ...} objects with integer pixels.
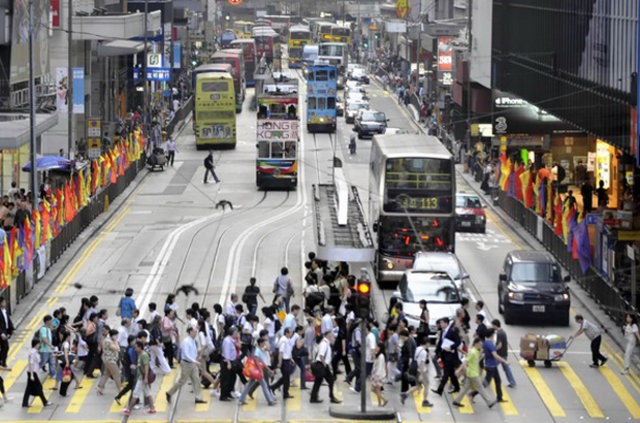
[
  {"x": 299, "y": 35},
  {"x": 212, "y": 87},
  {"x": 398, "y": 238},
  {"x": 414, "y": 184},
  {"x": 330, "y": 50}
]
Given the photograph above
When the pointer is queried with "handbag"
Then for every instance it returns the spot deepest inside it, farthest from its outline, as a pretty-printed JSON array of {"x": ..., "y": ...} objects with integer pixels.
[
  {"x": 66, "y": 375},
  {"x": 252, "y": 370},
  {"x": 151, "y": 377}
]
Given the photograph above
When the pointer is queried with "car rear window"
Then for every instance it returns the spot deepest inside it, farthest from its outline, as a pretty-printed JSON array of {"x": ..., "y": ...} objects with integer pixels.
[{"x": 535, "y": 272}]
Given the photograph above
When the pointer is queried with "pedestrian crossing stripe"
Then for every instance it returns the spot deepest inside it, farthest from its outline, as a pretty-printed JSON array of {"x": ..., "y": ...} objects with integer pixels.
[
  {"x": 589, "y": 403},
  {"x": 37, "y": 404},
  {"x": 417, "y": 400},
  {"x": 627, "y": 399},
  {"x": 466, "y": 408},
  {"x": 508, "y": 408},
  {"x": 251, "y": 403},
  {"x": 295, "y": 403},
  {"x": 613, "y": 355},
  {"x": 16, "y": 370},
  {"x": 79, "y": 396},
  {"x": 544, "y": 391},
  {"x": 167, "y": 382}
]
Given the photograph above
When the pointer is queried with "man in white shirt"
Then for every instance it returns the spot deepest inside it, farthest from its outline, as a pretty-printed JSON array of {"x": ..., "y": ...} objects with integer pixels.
[
  {"x": 123, "y": 334},
  {"x": 370, "y": 349},
  {"x": 231, "y": 307},
  {"x": 188, "y": 367},
  {"x": 285, "y": 363},
  {"x": 594, "y": 333},
  {"x": 321, "y": 369},
  {"x": 327, "y": 323},
  {"x": 291, "y": 319}
]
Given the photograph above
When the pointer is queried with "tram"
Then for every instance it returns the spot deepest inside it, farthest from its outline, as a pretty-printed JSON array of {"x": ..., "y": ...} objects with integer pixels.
[{"x": 322, "y": 88}]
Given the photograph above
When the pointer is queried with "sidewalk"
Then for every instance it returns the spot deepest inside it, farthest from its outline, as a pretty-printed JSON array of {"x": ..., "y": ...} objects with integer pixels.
[{"x": 593, "y": 309}]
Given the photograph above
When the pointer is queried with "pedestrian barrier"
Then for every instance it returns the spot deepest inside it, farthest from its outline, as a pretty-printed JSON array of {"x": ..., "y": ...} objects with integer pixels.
[
  {"x": 599, "y": 288},
  {"x": 180, "y": 115}
]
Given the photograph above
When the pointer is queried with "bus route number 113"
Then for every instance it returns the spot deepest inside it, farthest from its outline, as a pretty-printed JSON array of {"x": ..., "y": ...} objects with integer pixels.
[{"x": 426, "y": 203}]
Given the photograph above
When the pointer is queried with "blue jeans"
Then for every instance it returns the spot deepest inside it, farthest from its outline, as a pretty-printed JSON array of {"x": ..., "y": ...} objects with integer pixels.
[
  {"x": 303, "y": 372},
  {"x": 508, "y": 374},
  {"x": 265, "y": 390},
  {"x": 47, "y": 357}
]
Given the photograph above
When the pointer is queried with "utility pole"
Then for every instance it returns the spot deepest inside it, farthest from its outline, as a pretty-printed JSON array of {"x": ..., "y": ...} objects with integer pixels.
[
  {"x": 145, "y": 92},
  {"x": 32, "y": 122},
  {"x": 470, "y": 47},
  {"x": 70, "y": 81}
]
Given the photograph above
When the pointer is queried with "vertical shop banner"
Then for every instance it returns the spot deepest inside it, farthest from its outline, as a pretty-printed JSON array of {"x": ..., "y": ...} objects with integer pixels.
[
  {"x": 62, "y": 90},
  {"x": 445, "y": 54},
  {"x": 55, "y": 13},
  {"x": 177, "y": 55},
  {"x": 78, "y": 90}
]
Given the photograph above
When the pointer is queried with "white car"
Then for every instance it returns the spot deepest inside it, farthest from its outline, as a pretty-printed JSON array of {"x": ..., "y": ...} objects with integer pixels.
[
  {"x": 355, "y": 96},
  {"x": 360, "y": 74},
  {"x": 351, "y": 84},
  {"x": 397, "y": 131},
  {"x": 440, "y": 261},
  {"x": 352, "y": 110},
  {"x": 436, "y": 288}
]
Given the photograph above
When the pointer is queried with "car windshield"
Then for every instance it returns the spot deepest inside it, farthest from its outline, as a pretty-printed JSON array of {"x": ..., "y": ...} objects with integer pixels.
[
  {"x": 440, "y": 264},
  {"x": 535, "y": 272},
  {"x": 356, "y": 106},
  {"x": 432, "y": 287},
  {"x": 468, "y": 201},
  {"x": 374, "y": 116}
]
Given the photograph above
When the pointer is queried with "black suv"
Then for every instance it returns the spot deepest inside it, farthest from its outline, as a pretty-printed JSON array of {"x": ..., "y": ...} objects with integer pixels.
[
  {"x": 369, "y": 123},
  {"x": 531, "y": 286}
]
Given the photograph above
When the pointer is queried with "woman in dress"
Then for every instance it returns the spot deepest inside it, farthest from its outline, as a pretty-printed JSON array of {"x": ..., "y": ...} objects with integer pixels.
[
  {"x": 34, "y": 386},
  {"x": 631, "y": 337},
  {"x": 379, "y": 374}
]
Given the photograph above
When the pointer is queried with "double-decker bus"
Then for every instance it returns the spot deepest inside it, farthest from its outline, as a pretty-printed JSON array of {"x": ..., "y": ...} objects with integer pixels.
[
  {"x": 299, "y": 36},
  {"x": 227, "y": 37},
  {"x": 324, "y": 32},
  {"x": 322, "y": 88},
  {"x": 412, "y": 190},
  {"x": 336, "y": 54},
  {"x": 248, "y": 46},
  {"x": 280, "y": 23},
  {"x": 235, "y": 58},
  {"x": 215, "y": 117},
  {"x": 243, "y": 28},
  {"x": 266, "y": 44},
  {"x": 210, "y": 67},
  {"x": 341, "y": 34},
  {"x": 277, "y": 132}
]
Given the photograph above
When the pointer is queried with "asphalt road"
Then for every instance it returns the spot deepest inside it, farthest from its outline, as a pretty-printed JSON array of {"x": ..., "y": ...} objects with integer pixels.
[{"x": 169, "y": 232}]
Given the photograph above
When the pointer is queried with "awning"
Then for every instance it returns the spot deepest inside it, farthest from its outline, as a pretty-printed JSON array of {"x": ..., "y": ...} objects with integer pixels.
[{"x": 119, "y": 48}]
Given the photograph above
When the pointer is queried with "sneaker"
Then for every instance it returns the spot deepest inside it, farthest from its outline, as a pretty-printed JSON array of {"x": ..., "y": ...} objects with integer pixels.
[
  {"x": 236, "y": 394},
  {"x": 427, "y": 404},
  {"x": 593, "y": 366},
  {"x": 352, "y": 389},
  {"x": 215, "y": 393},
  {"x": 492, "y": 404},
  {"x": 403, "y": 397},
  {"x": 126, "y": 412},
  {"x": 459, "y": 404},
  {"x": 137, "y": 406},
  {"x": 511, "y": 385},
  {"x": 151, "y": 411}
]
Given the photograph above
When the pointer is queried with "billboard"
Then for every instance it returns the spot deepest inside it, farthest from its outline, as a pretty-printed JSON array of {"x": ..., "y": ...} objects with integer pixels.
[
  {"x": 445, "y": 54},
  {"x": 480, "y": 60},
  {"x": 78, "y": 90},
  {"x": 62, "y": 89},
  {"x": 19, "y": 71}
]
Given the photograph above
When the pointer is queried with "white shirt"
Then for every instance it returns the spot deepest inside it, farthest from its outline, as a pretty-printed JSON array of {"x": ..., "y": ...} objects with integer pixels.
[
  {"x": 189, "y": 350},
  {"x": 123, "y": 334},
  {"x": 591, "y": 330},
  {"x": 379, "y": 370},
  {"x": 270, "y": 326},
  {"x": 371, "y": 348},
  {"x": 231, "y": 309},
  {"x": 630, "y": 332},
  {"x": 284, "y": 348},
  {"x": 327, "y": 323},
  {"x": 421, "y": 358},
  {"x": 324, "y": 352}
]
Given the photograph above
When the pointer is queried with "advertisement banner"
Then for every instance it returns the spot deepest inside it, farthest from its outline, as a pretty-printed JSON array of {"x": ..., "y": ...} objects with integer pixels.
[
  {"x": 62, "y": 90},
  {"x": 278, "y": 130},
  {"x": 55, "y": 13},
  {"x": 177, "y": 55},
  {"x": 78, "y": 90},
  {"x": 445, "y": 54}
]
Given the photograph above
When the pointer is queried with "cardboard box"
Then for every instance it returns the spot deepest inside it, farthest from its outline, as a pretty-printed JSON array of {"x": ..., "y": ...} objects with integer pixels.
[
  {"x": 542, "y": 353},
  {"x": 528, "y": 344}
]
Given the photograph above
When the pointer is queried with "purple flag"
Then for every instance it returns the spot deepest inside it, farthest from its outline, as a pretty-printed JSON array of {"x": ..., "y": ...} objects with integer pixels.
[
  {"x": 584, "y": 247},
  {"x": 511, "y": 188},
  {"x": 573, "y": 224}
]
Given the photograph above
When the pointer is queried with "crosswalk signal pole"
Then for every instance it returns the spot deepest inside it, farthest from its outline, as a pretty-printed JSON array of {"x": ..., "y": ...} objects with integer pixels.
[{"x": 364, "y": 311}]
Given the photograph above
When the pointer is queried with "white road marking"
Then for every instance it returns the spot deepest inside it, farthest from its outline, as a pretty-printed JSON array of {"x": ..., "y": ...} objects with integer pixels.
[{"x": 485, "y": 247}]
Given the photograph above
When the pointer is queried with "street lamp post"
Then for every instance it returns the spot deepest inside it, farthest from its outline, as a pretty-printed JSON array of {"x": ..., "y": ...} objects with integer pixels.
[{"x": 32, "y": 122}]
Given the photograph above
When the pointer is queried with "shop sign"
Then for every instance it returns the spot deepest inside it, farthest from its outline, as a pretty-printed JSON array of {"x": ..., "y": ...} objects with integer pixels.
[
  {"x": 156, "y": 74},
  {"x": 445, "y": 54},
  {"x": 402, "y": 8},
  {"x": 500, "y": 125},
  {"x": 78, "y": 90},
  {"x": 55, "y": 13},
  {"x": 154, "y": 60},
  {"x": 94, "y": 138}
]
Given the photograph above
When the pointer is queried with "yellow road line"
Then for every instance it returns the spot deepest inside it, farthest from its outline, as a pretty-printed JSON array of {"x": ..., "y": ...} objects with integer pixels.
[
  {"x": 625, "y": 396},
  {"x": 631, "y": 377},
  {"x": 508, "y": 408},
  {"x": 11, "y": 377},
  {"x": 544, "y": 391},
  {"x": 161, "y": 399},
  {"x": 115, "y": 408},
  {"x": 37, "y": 405},
  {"x": 251, "y": 404},
  {"x": 589, "y": 403},
  {"x": 467, "y": 407},
  {"x": 295, "y": 403},
  {"x": 80, "y": 395},
  {"x": 417, "y": 400}
]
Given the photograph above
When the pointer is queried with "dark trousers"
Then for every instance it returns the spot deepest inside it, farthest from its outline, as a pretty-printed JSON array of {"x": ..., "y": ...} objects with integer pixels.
[
  {"x": 4, "y": 350},
  {"x": 213, "y": 173},
  {"x": 227, "y": 381},
  {"x": 171, "y": 155},
  {"x": 168, "y": 352},
  {"x": 405, "y": 382},
  {"x": 368, "y": 368},
  {"x": 284, "y": 381},
  {"x": 94, "y": 361},
  {"x": 335, "y": 361},
  {"x": 131, "y": 381},
  {"x": 355, "y": 354},
  {"x": 34, "y": 387},
  {"x": 595, "y": 350},
  {"x": 1, "y": 385},
  {"x": 321, "y": 372},
  {"x": 493, "y": 374},
  {"x": 303, "y": 372},
  {"x": 449, "y": 372}
]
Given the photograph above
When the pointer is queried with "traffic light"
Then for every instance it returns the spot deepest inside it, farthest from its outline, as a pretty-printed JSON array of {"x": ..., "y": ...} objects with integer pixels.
[{"x": 363, "y": 301}]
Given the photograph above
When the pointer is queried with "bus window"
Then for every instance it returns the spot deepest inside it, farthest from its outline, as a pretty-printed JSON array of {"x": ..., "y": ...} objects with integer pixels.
[
  {"x": 322, "y": 103},
  {"x": 290, "y": 149},
  {"x": 263, "y": 149},
  {"x": 277, "y": 110},
  {"x": 291, "y": 112},
  {"x": 331, "y": 102},
  {"x": 263, "y": 111},
  {"x": 311, "y": 76},
  {"x": 332, "y": 75},
  {"x": 276, "y": 150},
  {"x": 321, "y": 75},
  {"x": 312, "y": 103}
]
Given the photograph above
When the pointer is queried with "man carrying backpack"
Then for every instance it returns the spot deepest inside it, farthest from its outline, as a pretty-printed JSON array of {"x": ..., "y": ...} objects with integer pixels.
[{"x": 209, "y": 167}]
